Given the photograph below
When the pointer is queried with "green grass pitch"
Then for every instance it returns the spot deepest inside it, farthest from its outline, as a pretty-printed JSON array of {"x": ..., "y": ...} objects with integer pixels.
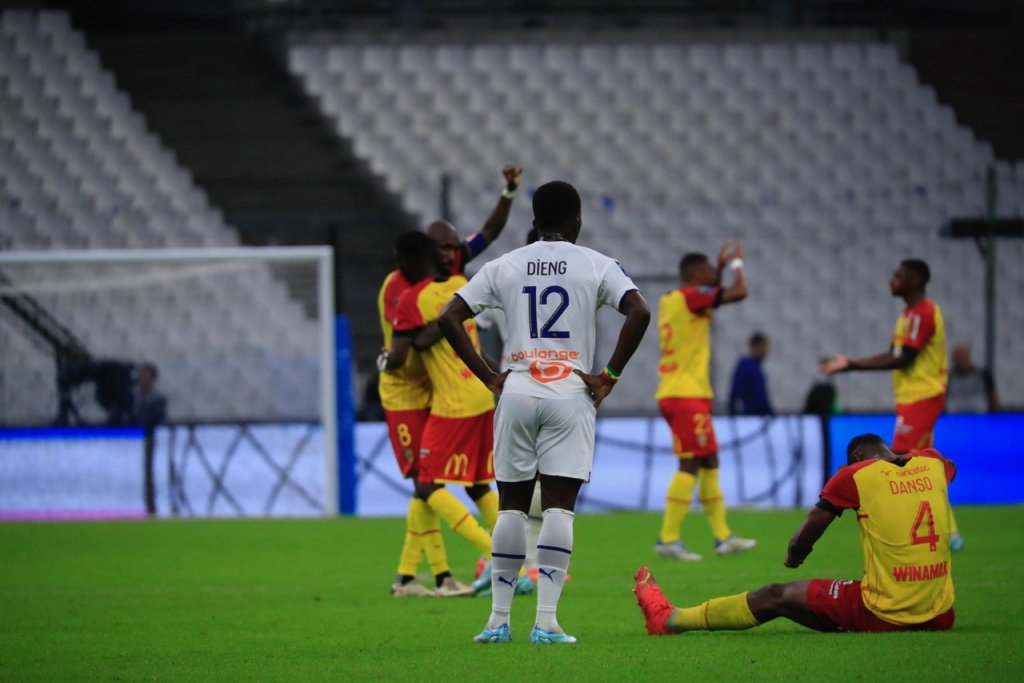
[{"x": 308, "y": 601}]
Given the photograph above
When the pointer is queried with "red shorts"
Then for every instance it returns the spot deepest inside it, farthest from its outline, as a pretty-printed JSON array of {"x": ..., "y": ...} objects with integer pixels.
[
  {"x": 458, "y": 450},
  {"x": 915, "y": 423},
  {"x": 693, "y": 434},
  {"x": 405, "y": 428},
  {"x": 839, "y": 605}
]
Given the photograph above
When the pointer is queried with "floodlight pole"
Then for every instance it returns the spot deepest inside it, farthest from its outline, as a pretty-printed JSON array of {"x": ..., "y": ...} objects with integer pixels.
[{"x": 986, "y": 233}]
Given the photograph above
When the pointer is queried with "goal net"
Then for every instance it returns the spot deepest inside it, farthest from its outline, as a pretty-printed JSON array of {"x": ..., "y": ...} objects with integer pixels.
[{"x": 226, "y": 357}]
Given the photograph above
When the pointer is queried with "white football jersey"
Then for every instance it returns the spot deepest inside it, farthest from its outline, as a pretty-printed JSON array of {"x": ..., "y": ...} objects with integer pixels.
[{"x": 550, "y": 293}]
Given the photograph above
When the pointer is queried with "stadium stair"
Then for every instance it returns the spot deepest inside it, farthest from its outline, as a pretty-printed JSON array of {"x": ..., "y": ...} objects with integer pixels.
[{"x": 222, "y": 101}]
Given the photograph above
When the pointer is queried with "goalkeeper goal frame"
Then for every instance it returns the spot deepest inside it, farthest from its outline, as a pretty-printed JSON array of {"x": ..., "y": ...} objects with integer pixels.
[{"x": 321, "y": 256}]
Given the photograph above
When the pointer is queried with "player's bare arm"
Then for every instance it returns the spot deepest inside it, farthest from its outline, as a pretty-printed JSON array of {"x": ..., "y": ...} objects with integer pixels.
[
  {"x": 453, "y": 315},
  {"x": 395, "y": 357},
  {"x": 638, "y": 316},
  {"x": 724, "y": 256},
  {"x": 890, "y": 360},
  {"x": 737, "y": 291},
  {"x": 495, "y": 223},
  {"x": 426, "y": 336},
  {"x": 802, "y": 543}
]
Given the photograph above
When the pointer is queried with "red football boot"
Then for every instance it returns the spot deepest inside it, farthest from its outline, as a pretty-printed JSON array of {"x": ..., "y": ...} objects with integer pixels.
[{"x": 653, "y": 602}]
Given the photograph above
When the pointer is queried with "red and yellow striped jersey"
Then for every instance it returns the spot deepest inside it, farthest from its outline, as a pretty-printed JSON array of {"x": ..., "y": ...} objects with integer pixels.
[
  {"x": 904, "y": 520},
  {"x": 457, "y": 391},
  {"x": 922, "y": 328},
  {"x": 684, "y": 329},
  {"x": 408, "y": 387}
]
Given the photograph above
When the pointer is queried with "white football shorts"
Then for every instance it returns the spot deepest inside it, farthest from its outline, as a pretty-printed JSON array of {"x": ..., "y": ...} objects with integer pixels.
[{"x": 553, "y": 436}]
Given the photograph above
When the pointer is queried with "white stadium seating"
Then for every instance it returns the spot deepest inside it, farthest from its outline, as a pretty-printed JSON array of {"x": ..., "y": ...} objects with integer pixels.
[
  {"x": 79, "y": 169},
  {"x": 832, "y": 160}
]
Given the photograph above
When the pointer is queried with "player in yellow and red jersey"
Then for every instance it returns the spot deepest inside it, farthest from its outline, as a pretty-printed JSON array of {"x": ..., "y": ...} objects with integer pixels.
[
  {"x": 684, "y": 396},
  {"x": 457, "y": 441},
  {"x": 902, "y": 510},
  {"x": 917, "y": 357},
  {"x": 453, "y": 254},
  {"x": 405, "y": 394},
  {"x": 405, "y": 391}
]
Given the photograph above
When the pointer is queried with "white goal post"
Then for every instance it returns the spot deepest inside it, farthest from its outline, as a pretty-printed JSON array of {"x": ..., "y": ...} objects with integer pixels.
[{"x": 320, "y": 256}]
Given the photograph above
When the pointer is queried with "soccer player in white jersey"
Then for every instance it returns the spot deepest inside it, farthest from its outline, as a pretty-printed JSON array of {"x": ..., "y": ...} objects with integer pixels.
[{"x": 550, "y": 292}]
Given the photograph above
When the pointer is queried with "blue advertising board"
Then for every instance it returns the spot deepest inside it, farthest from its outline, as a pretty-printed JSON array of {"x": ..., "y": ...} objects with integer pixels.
[{"x": 988, "y": 451}]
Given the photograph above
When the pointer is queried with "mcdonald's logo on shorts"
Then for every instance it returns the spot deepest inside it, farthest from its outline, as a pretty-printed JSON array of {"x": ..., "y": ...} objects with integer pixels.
[
  {"x": 545, "y": 371},
  {"x": 457, "y": 465}
]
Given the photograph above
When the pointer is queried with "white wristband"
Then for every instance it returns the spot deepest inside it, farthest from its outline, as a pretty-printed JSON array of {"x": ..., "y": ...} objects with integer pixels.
[
  {"x": 736, "y": 263},
  {"x": 508, "y": 194}
]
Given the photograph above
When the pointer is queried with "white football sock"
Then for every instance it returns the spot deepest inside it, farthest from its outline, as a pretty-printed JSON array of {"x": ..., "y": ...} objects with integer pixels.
[
  {"x": 553, "y": 552},
  {"x": 533, "y": 529},
  {"x": 508, "y": 550}
]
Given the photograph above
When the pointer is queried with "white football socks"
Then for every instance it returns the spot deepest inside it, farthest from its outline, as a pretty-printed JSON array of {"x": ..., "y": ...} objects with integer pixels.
[
  {"x": 554, "y": 548},
  {"x": 533, "y": 529},
  {"x": 508, "y": 550}
]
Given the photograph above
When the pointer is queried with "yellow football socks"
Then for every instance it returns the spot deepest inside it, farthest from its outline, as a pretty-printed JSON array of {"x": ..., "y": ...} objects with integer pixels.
[
  {"x": 714, "y": 503},
  {"x": 488, "y": 505},
  {"x": 460, "y": 519},
  {"x": 428, "y": 526},
  {"x": 677, "y": 504},
  {"x": 718, "y": 614},
  {"x": 412, "y": 549}
]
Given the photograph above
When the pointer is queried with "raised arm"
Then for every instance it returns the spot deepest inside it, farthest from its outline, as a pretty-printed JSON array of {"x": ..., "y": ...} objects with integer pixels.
[
  {"x": 455, "y": 313},
  {"x": 495, "y": 223},
  {"x": 638, "y": 316},
  {"x": 802, "y": 543},
  {"x": 731, "y": 255}
]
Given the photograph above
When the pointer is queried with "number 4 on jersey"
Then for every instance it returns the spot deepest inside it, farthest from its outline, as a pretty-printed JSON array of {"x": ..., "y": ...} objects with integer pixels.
[{"x": 924, "y": 515}]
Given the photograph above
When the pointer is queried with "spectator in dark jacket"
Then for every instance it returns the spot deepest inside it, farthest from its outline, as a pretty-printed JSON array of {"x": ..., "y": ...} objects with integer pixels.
[{"x": 749, "y": 392}]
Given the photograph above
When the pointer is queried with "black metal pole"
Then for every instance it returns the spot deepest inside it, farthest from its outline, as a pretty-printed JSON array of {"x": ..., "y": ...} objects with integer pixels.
[
  {"x": 446, "y": 197},
  {"x": 991, "y": 208}
]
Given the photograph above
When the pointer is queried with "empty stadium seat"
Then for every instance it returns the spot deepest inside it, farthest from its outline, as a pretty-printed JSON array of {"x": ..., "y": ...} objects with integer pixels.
[
  {"x": 79, "y": 170},
  {"x": 833, "y": 160}
]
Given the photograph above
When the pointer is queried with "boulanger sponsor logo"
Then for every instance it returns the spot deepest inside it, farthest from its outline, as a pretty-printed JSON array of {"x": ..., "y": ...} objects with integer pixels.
[
  {"x": 549, "y": 371},
  {"x": 541, "y": 354}
]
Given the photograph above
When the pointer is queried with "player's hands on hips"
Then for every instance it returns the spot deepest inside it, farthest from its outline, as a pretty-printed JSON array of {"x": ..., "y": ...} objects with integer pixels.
[
  {"x": 598, "y": 386},
  {"x": 834, "y": 365},
  {"x": 497, "y": 382},
  {"x": 513, "y": 176}
]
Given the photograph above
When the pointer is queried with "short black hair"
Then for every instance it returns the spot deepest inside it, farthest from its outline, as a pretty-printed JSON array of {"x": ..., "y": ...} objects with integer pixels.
[
  {"x": 555, "y": 204},
  {"x": 918, "y": 268},
  {"x": 413, "y": 245},
  {"x": 857, "y": 443},
  {"x": 758, "y": 337},
  {"x": 690, "y": 261}
]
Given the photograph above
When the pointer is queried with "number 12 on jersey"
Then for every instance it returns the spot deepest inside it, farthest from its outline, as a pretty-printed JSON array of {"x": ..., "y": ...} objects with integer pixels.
[{"x": 545, "y": 330}]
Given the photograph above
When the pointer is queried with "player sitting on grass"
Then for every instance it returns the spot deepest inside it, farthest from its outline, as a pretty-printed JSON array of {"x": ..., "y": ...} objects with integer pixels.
[{"x": 903, "y": 515}]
